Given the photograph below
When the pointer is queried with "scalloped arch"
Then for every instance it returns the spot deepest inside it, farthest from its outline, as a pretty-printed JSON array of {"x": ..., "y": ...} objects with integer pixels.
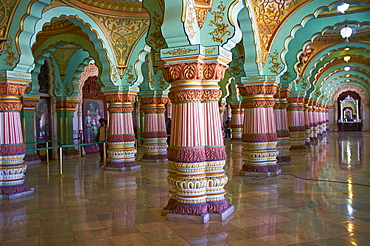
[
  {"x": 360, "y": 91},
  {"x": 78, "y": 18}
]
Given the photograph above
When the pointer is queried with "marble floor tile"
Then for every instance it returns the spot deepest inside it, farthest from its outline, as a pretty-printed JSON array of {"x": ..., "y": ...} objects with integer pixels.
[{"x": 321, "y": 198}]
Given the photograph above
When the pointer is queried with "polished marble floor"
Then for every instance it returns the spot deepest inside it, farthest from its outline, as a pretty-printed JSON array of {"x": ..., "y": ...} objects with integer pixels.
[{"x": 90, "y": 206}]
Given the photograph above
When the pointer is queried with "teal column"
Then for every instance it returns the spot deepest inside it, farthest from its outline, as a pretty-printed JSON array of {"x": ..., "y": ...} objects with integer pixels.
[{"x": 28, "y": 127}]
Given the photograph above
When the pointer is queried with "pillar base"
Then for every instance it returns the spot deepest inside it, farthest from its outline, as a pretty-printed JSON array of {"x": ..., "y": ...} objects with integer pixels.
[
  {"x": 283, "y": 159},
  {"x": 154, "y": 160},
  {"x": 259, "y": 174},
  {"x": 200, "y": 219},
  {"x": 30, "y": 159},
  {"x": 222, "y": 215},
  {"x": 122, "y": 168},
  {"x": 298, "y": 147},
  {"x": 17, "y": 195}
]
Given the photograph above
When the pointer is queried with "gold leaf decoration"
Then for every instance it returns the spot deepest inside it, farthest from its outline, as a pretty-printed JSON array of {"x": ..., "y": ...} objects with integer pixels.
[
  {"x": 8, "y": 50},
  {"x": 276, "y": 66},
  {"x": 221, "y": 28},
  {"x": 156, "y": 39},
  {"x": 123, "y": 33},
  {"x": 130, "y": 76}
]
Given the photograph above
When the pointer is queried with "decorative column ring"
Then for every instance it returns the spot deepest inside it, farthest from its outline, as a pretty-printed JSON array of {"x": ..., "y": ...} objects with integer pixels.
[{"x": 259, "y": 131}]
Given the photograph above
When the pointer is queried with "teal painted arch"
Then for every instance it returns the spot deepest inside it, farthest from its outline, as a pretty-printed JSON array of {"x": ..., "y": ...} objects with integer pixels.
[
  {"x": 331, "y": 55},
  {"x": 314, "y": 81},
  {"x": 314, "y": 28},
  {"x": 364, "y": 96},
  {"x": 313, "y": 8},
  {"x": 343, "y": 81},
  {"x": 52, "y": 44},
  {"x": 27, "y": 25},
  {"x": 327, "y": 55},
  {"x": 360, "y": 69},
  {"x": 88, "y": 26},
  {"x": 73, "y": 70},
  {"x": 76, "y": 77},
  {"x": 251, "y": 50}
]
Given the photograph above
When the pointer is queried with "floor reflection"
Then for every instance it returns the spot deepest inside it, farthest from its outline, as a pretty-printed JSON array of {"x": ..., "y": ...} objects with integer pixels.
[{"x": 321, "y": 198}]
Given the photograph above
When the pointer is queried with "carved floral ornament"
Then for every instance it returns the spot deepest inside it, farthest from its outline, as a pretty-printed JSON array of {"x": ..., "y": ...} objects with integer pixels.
[
  {"x": 67, "y": 105},
  {"x": 126, "y": 109},
  {"x": 194, "y": 71},
  {"x": 10, "y": 106},
  {"x": 120, "y": 98},
  {"x": 13, "y": 89},
  {"x": 258, "y": 90},
  {"x": 154, "y": 100},
  {"x": 29, "y": 103},
  {"x": 195, "y": 95},
  {"x": 258, "y": 103}
]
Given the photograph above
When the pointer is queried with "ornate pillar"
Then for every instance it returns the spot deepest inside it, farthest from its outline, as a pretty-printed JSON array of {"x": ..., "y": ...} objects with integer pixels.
[
  {"x": 236, "y": 121},
  {"x": 313, "y": 134},
  {"x": 121, "y": 136},
  {"x": 307, "y": 120},
  {"x": 196, "y": 152},
  {"x": 28, "y": 126},
  {"x": 65, "y": 108},
  {"x": 12, "y": 149},
  {"x": 155, "y": 135},
  {"x": 318, "y": 120},
  {"x": 259, "y": 130},
  {"x": 296, "y": 122},
  {"x": 282, "y": 130}
]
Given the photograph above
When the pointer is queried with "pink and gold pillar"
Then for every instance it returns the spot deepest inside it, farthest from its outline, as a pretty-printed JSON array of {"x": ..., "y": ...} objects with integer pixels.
[
  {"x": 12, "y": 149},
  {"x": 307, "y": 122},
  {"x": 259, "y": 130},
  {"x": 282, "y": 129},
  {"x": 237, "y": 121},
  {"x": 155, "y": 135},
  {"x": 196, "y": 152},
  {"x": 296, "y": 123},
  {"x": 121, "y": 136}
]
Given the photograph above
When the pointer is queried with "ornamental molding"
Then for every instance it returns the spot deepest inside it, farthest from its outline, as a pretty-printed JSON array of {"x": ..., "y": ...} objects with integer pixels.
[
  {"x": 258, "y": 90},
  {"x": 153, "y": 100},
  {"x": 199, "y": 95},
  {"x": 10, "y": 106},
  {"x": 258, "y": 104},
  {"x": 179, "y": 51},
  {"x": 12, "y": 89},
  {"x": 194, "y": 71},
  {"x": 120, "y": 98},
  {"x": 127, "y": 109},
  {"x": 66, "y": 105}
]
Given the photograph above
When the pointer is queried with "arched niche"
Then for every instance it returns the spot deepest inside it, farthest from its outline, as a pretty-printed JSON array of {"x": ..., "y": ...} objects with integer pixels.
[{"x": 349, "y": 113}]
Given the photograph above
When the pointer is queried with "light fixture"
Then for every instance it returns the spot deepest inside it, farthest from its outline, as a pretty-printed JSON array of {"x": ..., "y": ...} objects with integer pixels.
[
  {"x": 347, "y": 58},
  {"x": 347, "y": 75},
  {"x": 343, "y": 7},
  {"x": 347, "y": 68},
  {"x": 347, "y": 80},
  {"x": 346, "y": 32},
  {"x": 346, "y": 49}
]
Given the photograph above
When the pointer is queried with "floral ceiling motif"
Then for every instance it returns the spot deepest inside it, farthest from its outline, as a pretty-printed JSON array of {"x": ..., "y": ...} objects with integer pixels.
[{"x": 270, "y": 15}]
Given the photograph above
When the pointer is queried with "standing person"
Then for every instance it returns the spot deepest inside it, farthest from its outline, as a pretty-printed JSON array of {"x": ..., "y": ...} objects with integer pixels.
[
  {"x": 100, "y": 137},
  {"x": 227, "y": 128}
]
